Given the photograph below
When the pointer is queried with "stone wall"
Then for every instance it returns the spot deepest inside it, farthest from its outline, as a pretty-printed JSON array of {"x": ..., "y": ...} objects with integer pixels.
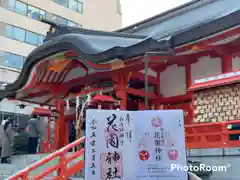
[{"x": 217, "y": 104}]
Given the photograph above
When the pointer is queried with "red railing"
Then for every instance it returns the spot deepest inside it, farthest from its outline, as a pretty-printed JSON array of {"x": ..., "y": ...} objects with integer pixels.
[
  {"x": 211, "y": 135},
  {"x": 62, "y": 169}
]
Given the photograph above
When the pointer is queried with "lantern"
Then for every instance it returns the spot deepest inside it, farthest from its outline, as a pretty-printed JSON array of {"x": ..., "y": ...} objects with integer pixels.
[{"x": 102, "y": 102}]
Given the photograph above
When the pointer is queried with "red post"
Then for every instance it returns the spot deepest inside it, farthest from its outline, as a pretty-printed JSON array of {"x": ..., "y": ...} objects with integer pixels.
[
  {"x": 158, "y": 90},
  {"x": 121, "y": 93},
  {"x": 60, "y": 127},
  {"x": 188, "y": 75},
  {"x": 227, "y": 63},
  {"x": 121, "y": 81}
]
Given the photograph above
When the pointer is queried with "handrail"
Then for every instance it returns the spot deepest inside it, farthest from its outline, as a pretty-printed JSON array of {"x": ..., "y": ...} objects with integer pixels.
[
  {"x": 211, "y": 135},
  {"x": 63, "y": 171}
]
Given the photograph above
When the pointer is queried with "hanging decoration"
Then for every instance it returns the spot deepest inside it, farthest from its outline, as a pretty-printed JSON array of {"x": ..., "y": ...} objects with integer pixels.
[
  {"x": 67, "y": 104},
  {"x": 80, "y": 107},
  {"x": 99, "y": 101}
]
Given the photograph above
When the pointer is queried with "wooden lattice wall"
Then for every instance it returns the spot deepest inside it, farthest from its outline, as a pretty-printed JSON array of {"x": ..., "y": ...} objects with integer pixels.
[{"x": 217, "y": 104}]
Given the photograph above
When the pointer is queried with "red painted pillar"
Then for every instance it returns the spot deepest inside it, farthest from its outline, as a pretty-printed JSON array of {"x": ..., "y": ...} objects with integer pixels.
[
  {"x": 188, "y": 111},
  {"x": 123, "y": 97},
  {"x": 121, "y": 81},
  {"x": 227, "y": 63},
  {"x": 121, "y": 93},
  {"x": 60, "y": 126},
  {"x": 188, "y": 75},
  {"x": 157, "y": 90}
]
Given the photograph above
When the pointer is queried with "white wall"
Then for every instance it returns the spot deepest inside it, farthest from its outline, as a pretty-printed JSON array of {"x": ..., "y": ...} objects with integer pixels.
[
  {"x": 236, "y": 63},
  {"x": 205, "y": 67},
  {"x": 173, "y": 81}
]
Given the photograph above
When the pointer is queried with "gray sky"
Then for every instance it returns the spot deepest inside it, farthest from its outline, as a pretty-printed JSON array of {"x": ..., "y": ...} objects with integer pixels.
[{"x": 136, "y": 10}]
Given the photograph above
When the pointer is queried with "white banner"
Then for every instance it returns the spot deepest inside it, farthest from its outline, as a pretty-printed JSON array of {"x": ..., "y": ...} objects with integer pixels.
[{"x": 134, "y": 145}]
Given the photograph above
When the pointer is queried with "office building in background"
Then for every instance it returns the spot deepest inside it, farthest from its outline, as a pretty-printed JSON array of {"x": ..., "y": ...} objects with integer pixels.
[{"x": 21, "y": 31}]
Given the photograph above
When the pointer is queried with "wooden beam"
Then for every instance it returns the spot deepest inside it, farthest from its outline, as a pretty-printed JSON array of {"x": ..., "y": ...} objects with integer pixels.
[
  {"x": 175, "y": 99},
  {"x": 140, "y": 76},
  {"x": 141, "y": 93},
  {"x": 188, "y": 75}
]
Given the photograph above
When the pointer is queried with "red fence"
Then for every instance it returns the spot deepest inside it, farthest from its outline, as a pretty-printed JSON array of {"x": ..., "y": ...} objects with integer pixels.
[{"x": 213, "y": 135}]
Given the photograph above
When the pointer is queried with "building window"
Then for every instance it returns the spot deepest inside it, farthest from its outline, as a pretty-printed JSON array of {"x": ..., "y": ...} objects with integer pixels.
[
  {"x": 59, "y": 20},
  {"x": 70, "y": 23},
  {"x": 20, "y": 8},
  {"x": 11, "y": 5},
  {"x": 75, "y": 5},
  {"x": 40, "y": 39},
  {"x": 80, "y": 7},
  {"x": 31, "y": 38},
  {"x": 13, "y": 60},
  {"x": 18, "y": 34},
  {"x": 15, "y": 33},
  {"x": 26, "y": 10},
  {"x": 63, "y": 21},
  {"x": 62, "y": 2},
  {"x": 35, "y": 13},
  {"x": 9, "y": 31},
  {"x": 24, "y": 35}
]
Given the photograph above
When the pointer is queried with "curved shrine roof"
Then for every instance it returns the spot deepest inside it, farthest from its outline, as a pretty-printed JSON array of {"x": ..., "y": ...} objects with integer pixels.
[{"x": 90, "y": 47}]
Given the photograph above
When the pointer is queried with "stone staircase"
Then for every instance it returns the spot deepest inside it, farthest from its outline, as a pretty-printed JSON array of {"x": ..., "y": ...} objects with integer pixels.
[{"x": 19, "y": 162}]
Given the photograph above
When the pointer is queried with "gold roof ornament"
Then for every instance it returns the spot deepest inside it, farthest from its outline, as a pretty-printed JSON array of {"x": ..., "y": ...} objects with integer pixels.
[{"x": 195, "y": 48}]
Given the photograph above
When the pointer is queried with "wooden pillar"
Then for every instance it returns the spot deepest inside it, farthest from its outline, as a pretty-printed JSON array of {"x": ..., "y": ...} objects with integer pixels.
[
  {"x": 157, "y": 90},
  {"x": 159, "y": 96},
  {"x": 227, "y": 63},
  {"x": 60, "y": 128},
  {"x": 123, "y": 96},
  {"x": 188, "y": 75},
  {"x": 121, "y": 83}
]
